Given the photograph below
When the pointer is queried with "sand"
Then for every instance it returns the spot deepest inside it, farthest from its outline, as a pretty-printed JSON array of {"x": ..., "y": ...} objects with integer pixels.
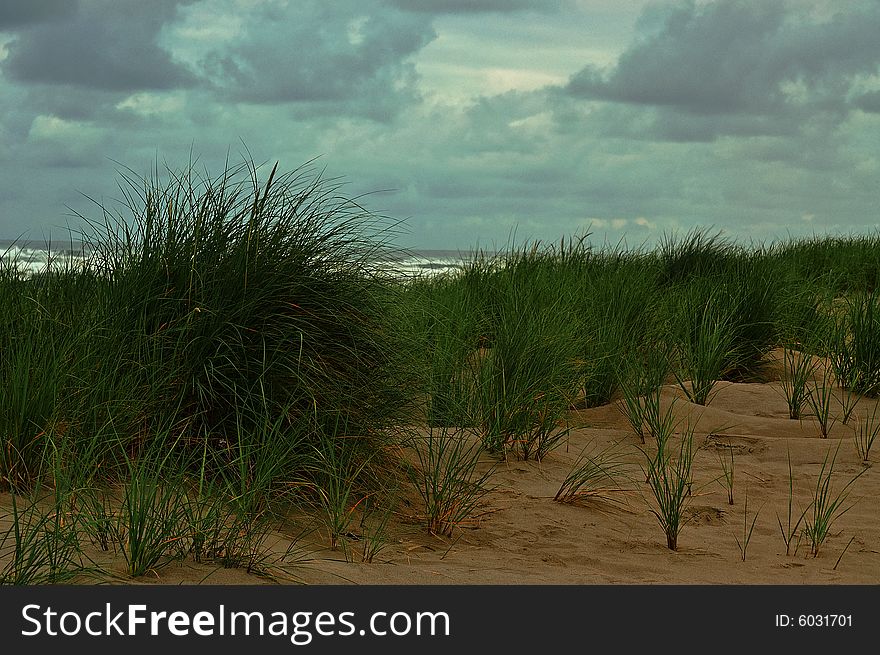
[{"x": 522, "y": 536}]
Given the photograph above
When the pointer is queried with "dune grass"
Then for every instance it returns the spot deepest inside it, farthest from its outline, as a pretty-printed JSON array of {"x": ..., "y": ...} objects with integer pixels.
[
  {"x": 819, "y": 396},
  {"x": 728, "y": 472},
  {"x": 864, "y": 435},
  {"x": 232, "y": 348},
  {"x": 798, "y": 367},
  {"x": 641, "y": 382},
  {"x": 447, "y": 479},
  {"x": 669, "y": 479},
  {"x": 233, "y": 324},
  {"x": 826, "y": 507},
  {"x": 704, "y": 344},
  {"x": 40, "y": 546},
  {"x": 597, "y": 474},
  {"x": 747, "y": 531},
  {"x": 791, "y": 530},
  {"x": 857, "y": 346}
]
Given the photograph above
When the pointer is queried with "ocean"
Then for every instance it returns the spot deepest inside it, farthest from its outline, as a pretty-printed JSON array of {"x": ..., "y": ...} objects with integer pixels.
[{"x": 33, "y": 257}]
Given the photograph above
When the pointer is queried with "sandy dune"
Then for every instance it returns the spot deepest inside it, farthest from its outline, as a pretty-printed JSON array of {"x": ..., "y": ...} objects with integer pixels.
[
  {"x": 526, "y": 537},
  {"x": 521, "y": 536}
]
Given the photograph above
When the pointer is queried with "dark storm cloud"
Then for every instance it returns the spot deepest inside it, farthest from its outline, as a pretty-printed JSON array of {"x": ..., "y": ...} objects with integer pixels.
[
  {"x": 106, "y": 44},
  {"x": 718, "y": 63},
  {"x": 75, "y": 103},
  {"x": 354, "y": 59},
  {"x": 15, "y": 13},
  {"x": 472, "y": 6},
  {"x": 869, "y": 102}
]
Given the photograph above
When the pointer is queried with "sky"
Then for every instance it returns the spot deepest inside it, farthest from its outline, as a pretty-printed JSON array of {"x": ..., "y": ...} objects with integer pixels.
[{"x": 476, "y": 123}]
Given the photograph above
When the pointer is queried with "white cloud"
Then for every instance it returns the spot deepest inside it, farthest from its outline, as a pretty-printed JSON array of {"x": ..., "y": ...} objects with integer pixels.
[
  {"x": 51, "y": 128},
  {"x": 355, "y": 30},
  {"x": 152, "y": 104}
]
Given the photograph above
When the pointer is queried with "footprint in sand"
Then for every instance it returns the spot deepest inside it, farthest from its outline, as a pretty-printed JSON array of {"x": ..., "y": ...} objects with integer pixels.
[{"x": 705, "y": 515}]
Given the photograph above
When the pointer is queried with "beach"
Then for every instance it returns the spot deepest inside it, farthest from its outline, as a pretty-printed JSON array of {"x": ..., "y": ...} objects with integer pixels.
[
  {"x": 522, "y": 536},
  {"x": 235, "y": 400}
]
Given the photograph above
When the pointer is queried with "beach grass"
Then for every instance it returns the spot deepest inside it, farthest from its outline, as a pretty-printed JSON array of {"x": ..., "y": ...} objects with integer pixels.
[
  {"x": 864, "y": 434},
  {"x": 669, "y": 479},
  {"x": 827, "y": 506},
  {"x": 791, "y": 530},
  {"x": 448, "y": 480},
  {"x": 232, "y": 347},
  {"x": 597, "y": 474}
]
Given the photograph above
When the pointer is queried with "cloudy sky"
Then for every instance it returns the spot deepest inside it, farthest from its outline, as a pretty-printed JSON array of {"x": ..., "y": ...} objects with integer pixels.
[{"x": 472, "y": 120}]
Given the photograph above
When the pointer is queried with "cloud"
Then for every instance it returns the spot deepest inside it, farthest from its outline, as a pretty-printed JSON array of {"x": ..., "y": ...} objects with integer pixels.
[
  {"x": 352, "y": 58},
  {"x": 108, "y": 45},
  {"x": 16, "y": 13},
  {"x": 473, "y": 6},
  {"x": 512, "y": 150},
  {"x": 737, "y": 66},
  {"x": 869, "y": 102}
]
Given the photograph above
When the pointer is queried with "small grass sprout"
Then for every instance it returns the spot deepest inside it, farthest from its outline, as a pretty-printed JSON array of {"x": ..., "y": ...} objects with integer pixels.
[
  {"x": 864, "y": 435},
  {"x": 447, "y": 479},
  {"x": 39, "y": 547},
  {"x": 789, "y": 531},
  {"x": 670, "y": 482},
  {"x": 747, "y": 530},
  {"x": 594, "y": 476},
  {"x": 727, "y": 471},
  {"x": 374, "y": 526},
  {"x": 826, "y": 506},
  {"x": 797, "y": 369},
  {"x": 819, "y": 400}
]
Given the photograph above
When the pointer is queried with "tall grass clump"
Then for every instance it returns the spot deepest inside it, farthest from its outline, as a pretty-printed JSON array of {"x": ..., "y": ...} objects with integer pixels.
[
  {"x": 64, "y": 373},
  {"x": 840, "y": 264},
  {"x": 723, "y": 325},
  {"x": 756, "y": 301},
  {"x": 641, "y": 382},
  {"x": 234, "y": 323},
  {"x": 613, "y": 309},
  {"x": 855, "y": 349},
  {"x": 242, "y": 285},
  {"x": 36, "y": 345},
  {"x": 704, "y": 342},
  {"x": 698, "y": 253},
  {"x": 448, "y": 318},
  {"x": 527, "y": 379}
]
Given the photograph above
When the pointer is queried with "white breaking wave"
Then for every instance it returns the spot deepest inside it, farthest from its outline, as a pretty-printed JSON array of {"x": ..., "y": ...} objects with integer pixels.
[{"x": 28, "y": 260}]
